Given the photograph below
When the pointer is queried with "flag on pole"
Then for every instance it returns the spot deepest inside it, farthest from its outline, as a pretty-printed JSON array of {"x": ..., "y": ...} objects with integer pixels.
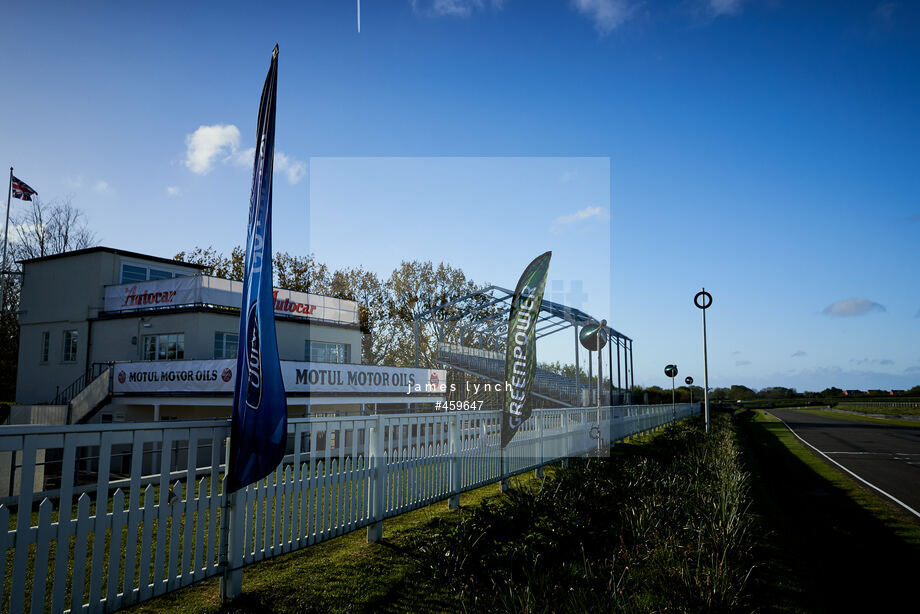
[
  {"x": 21, "y": 189},
  {"x": 521, "y": 348},
  {"x": 258, "y": 432}
]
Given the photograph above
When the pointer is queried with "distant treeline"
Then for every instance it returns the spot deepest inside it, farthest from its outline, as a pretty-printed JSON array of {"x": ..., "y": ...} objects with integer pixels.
[{"x": 777, "y": 395}]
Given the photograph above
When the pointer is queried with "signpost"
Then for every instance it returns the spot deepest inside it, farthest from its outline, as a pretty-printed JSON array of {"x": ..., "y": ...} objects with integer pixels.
[
  {"x": 689, "y": 381},
  {"x": 703, "y": 300},
  {"x": 671, "y": 371},
  {"x": 594, "y": 337}
]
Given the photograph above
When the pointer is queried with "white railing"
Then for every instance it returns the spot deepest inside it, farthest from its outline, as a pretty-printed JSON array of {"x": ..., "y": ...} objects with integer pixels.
[{"x": 106, "y": 516}]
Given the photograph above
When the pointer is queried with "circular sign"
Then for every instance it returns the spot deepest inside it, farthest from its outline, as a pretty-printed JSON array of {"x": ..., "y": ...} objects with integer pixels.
[
  {"x": 121, "y": 377},
  {"x": 688, "y": 380},
  {"x": 226, "y": 374},
  {"x": 593, "y": 336},
  {"x": 702, "y": 299},
  {"x": 670, "y": 370}
]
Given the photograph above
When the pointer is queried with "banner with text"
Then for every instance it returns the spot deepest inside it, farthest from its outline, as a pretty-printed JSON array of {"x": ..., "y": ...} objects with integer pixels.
[
  {"x": 218, "y": 376},
  {"x": 206, "y": 290}
]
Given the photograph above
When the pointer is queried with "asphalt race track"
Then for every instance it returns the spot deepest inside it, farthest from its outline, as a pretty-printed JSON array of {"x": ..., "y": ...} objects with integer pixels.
[{"x": 886, "y": 456}]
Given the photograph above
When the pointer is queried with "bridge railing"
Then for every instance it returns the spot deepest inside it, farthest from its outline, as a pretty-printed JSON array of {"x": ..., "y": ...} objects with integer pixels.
[{"x": 99, "y": 517}]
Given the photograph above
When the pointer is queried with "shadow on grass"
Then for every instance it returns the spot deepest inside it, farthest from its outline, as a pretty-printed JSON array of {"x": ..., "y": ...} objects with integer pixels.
[{"x": 822, "y": 550}]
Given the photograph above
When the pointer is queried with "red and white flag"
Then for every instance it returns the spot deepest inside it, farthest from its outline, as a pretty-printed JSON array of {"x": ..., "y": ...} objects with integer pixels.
[{"x": 21, "y": 190}]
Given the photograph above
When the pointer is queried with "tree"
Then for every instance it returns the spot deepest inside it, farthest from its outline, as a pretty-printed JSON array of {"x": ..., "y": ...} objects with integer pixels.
[
  {"x": 215, "y": 263},
  {"x": 740, "y": 393},
  {"x": 302, "y": 273},
  {"x": 415, "y": 287},
  {"x": 43, "y": 229},
  {"x": 49, "y": 228},
  {"x": 365, "y": 288}
]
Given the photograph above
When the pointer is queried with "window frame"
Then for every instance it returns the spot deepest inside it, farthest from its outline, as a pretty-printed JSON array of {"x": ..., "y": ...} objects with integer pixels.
[
  {"x": 69, "y": 346},
  {"x": 158, "y": 351},
  {"x": 223, "y": 345},
  {"x": 341, "y": 351},
  {"x": 151, "y": 273},
  {"x": 44, "y": 352}
]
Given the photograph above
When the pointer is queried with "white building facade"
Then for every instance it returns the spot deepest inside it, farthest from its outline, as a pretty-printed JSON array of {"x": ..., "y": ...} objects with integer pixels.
[{"x": 164, "y": 338}]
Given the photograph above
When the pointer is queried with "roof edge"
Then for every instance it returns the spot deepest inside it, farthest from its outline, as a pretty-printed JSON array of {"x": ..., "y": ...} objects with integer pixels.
[{"x": 117, "y": 252}]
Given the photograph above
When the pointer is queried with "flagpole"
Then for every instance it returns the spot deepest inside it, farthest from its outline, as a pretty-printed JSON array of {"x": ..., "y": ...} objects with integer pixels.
[{"x": 6, "y": 230}]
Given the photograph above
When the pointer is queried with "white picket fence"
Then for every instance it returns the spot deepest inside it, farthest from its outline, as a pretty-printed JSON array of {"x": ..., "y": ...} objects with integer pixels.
[{"x": 147, "y": 518}]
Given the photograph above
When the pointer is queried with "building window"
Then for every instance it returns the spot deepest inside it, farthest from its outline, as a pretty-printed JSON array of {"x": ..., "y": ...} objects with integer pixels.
[
  {"x": 170, "y": 346},
  {"x": 70, "y": 346},
  {"x": 46, "y": 346},
  {"x": 320, "y": 351},
  {"x": 132, "y": 273},
  {"x": 225, "y": 345}
]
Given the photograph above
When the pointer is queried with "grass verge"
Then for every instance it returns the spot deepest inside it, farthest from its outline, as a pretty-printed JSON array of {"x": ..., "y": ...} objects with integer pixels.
[
  {"x": 663, "y": 525},
  {"x": 870, "y": 408},
  {"x": 660, "y": 527},
  {"x": 827, "y": 543},
  {"x": 845, "y": 414}
]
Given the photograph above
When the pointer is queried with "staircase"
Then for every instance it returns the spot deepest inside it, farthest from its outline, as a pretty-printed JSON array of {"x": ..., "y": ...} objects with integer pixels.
[
  {"x": 95, "y": 395},
  {"x": 82, "y": 399}
]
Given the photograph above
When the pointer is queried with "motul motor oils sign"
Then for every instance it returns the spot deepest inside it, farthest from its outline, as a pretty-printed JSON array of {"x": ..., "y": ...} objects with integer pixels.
[{"x": 217, "y": 376}]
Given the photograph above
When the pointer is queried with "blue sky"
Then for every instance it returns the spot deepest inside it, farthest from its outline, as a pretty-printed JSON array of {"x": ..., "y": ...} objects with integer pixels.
[{"x": 764, "y": 149}]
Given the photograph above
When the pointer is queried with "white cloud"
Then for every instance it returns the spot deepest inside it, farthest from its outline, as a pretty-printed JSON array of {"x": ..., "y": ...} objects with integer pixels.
[
  {"x": 607, "y": 15},
  {"x": 77, "y": 182},
  {"x": 294, "y": 169},
  {"x": 584, "y": 214},
  {"x": 742, "y": 363},
  {"x": 173, "y": 190},
  {"x": 885, "y": 11},
  {"x": 207, "y": 143},
  {"x": 102, "y": 186},
  {"x": 724, "y": 7},
  {"x": 799, "y": 354},
  {"x": 245, "y": 157},
  {"x": 210, "y": 144},
  {"x": 885, "y": 362},
  {"x": 452, "y": 8},
  {"x": 852, "y": 307}
]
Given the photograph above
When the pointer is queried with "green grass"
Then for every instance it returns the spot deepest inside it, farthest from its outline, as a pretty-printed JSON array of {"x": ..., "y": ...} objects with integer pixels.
[
  {"x": 871, "y": 408},
  {"x": 826, "y": 543},
  {"x": 345, "y": 574},
  {"x": 660, "y": 527},
  {"x": 348, "y": 574},
  {"x": 874, "y": 409},
  {"x": 844, "y": 415}
]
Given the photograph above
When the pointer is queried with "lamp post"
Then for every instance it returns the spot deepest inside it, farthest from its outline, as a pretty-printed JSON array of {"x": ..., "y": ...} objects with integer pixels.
[{"x": 689, "y": 381}]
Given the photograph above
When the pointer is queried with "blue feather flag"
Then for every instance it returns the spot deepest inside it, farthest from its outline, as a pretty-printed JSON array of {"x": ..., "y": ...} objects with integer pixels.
[{"x": 258, "y": 433}]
